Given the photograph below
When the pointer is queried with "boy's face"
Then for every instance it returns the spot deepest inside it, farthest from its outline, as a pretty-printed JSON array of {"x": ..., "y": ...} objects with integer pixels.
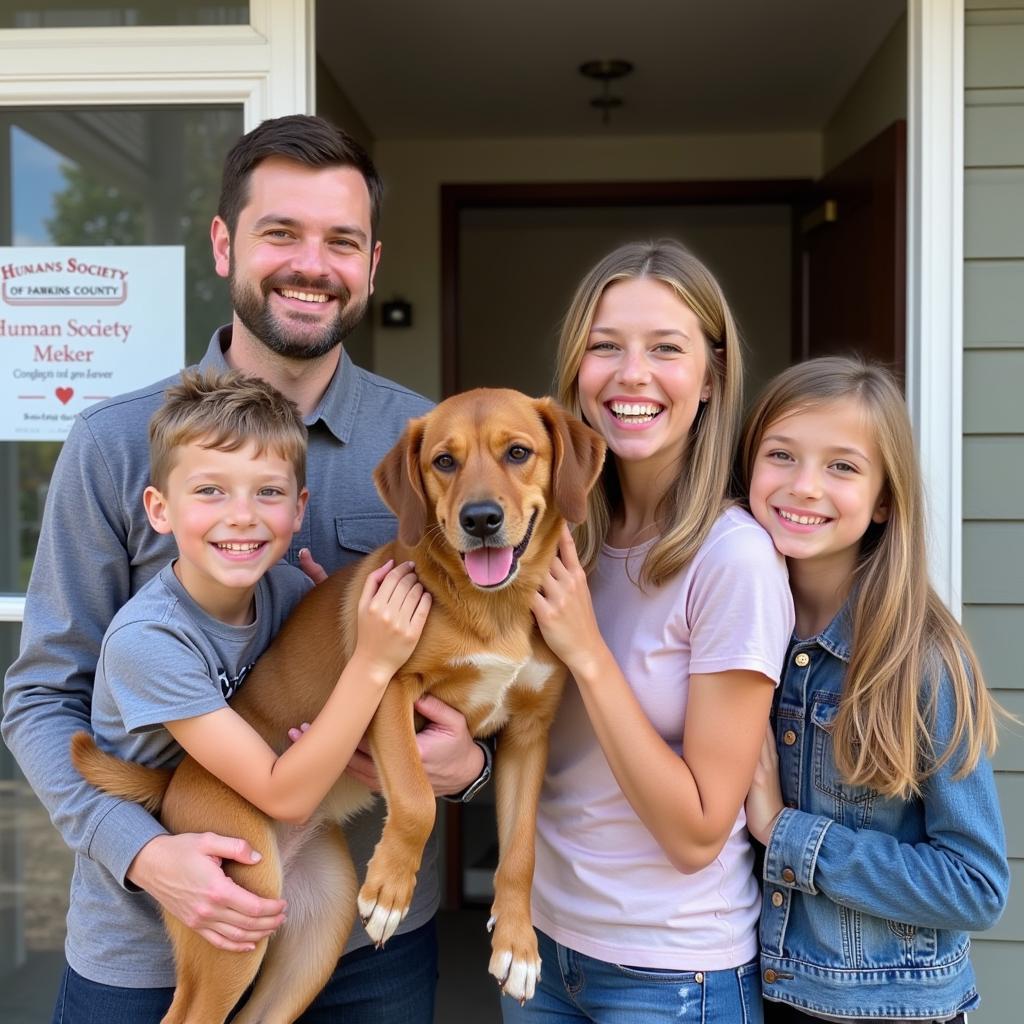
[{"x": 233, "y": 515}]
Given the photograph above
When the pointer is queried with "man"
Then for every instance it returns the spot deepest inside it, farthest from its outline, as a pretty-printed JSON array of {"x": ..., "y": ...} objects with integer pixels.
[{"x": 295, "y": 235}]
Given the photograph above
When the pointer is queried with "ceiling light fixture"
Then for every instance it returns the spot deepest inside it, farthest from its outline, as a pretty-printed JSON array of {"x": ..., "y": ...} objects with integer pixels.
[{"x": 605, "y": 71}]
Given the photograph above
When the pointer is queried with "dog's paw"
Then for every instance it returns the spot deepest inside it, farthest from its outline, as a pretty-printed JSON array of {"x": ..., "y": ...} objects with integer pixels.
[
  {"x": 380, "y": 919},
  {"x": 515, "y": 964},
  {"x": 516, "y": 977}
]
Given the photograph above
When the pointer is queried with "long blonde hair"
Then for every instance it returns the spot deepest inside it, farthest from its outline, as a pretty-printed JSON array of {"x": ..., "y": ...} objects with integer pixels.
[
  {"x": 690, "y": 507},
  {"x": 904, "y": 637}
]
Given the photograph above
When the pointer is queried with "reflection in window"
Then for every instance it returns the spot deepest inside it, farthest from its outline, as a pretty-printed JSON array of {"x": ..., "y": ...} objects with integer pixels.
[{"x": 90, "y": 14}]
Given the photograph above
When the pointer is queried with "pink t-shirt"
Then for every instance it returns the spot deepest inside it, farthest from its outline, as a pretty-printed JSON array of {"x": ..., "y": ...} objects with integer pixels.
[{"x": 603, "y": 886}]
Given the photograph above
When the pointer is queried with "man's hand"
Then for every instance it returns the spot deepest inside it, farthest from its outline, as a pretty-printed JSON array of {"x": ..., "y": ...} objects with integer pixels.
[
  {"x": 183, "y": 874},
  {"x": 451, "y": 759},
  {"x": 314, "y": 570}
]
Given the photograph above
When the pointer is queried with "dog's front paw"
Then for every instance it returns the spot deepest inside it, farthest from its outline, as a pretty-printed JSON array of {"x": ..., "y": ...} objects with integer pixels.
[
  {"x": 515, "y": 959},
  {"x": 383, "y": 906}
]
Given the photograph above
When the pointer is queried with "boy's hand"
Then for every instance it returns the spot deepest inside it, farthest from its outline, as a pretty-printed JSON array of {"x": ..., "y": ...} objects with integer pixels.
[
  {"x": 392, "y": 612},
  {"x": 764, "y": 801},
  {"x": 183, "y": 874}
]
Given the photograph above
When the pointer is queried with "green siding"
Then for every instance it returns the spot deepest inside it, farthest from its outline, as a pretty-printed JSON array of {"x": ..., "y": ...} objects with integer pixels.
[
  {"x": 994, "y": 563},
  {"x": 992, "y": 313},
  {"x": 994, "y": 392},
  {"x": 993, "y": 476},
  {"x": 993, "y": 418},
  {"x": 994, "y": 212},
  {"x": 993, "y": 629}
]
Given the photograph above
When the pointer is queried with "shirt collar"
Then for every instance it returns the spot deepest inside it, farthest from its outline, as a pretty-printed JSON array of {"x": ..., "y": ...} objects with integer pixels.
[
  {"x": 836, "y": 637},
  {"x": 340, "y": 401}
]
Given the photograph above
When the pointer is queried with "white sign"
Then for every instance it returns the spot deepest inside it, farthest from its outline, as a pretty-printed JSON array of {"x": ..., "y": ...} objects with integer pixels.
[{"x": 78, "y": 325}]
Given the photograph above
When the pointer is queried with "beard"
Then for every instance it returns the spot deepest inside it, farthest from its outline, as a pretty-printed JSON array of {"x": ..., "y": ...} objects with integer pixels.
[{"x": 252, "y": 304}]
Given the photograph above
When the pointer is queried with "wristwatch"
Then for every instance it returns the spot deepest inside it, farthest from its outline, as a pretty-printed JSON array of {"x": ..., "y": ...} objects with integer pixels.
[{"x": 482, "y": 779}]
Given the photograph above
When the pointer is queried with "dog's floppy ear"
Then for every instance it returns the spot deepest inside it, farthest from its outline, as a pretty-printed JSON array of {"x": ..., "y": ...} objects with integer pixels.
[
  {"x": 578, "y": 455},
  {"x": 400, "y": 483}
]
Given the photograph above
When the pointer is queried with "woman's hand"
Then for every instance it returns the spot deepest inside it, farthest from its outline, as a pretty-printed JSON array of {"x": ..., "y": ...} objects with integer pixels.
[
  {"x": 764, "y": 801},
  {"x": 563, "y": 609},
  {"x": 391, "y": 615}
]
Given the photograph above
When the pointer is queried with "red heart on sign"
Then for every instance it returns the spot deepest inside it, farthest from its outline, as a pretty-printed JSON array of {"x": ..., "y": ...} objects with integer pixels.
[{"x": 64, "y": 395}]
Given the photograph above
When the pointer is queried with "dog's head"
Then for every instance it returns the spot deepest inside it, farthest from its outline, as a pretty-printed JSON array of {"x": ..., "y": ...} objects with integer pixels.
[{"x": 491, "y": 471}]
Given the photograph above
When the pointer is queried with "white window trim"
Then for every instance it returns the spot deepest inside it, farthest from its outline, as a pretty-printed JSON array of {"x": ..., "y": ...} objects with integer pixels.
[
  {"x": 267, "y": 65},
  {"x": 935, "y": 176}
]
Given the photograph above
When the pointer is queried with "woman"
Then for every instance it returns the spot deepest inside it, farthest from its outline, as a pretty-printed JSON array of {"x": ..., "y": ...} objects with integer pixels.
[{"x": 671, "y": 610}]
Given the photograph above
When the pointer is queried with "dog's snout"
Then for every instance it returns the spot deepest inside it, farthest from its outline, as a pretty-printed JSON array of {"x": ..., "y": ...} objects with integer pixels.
[{"x": 481, "y": 519}]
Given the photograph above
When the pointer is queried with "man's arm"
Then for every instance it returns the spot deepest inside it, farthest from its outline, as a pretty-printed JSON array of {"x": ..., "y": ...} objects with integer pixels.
[{"x": 81, "y": 576}]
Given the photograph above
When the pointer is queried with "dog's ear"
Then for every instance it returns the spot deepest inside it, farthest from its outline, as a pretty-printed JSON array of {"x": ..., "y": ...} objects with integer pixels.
[
  {"x": 578, "y": 455},
  {"x": 400, "y": 483}
]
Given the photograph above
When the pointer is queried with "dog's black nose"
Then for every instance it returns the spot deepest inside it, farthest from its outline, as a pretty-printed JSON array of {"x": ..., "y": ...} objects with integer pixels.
[{"x": 482, "y": 519}]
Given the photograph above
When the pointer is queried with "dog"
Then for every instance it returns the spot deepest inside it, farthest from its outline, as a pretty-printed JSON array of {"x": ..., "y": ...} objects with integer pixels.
[{"x": 481, "y": 486}]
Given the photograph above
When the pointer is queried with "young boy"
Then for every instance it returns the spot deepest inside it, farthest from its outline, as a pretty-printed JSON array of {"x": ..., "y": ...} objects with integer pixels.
[{"x": 227, "y": 460}]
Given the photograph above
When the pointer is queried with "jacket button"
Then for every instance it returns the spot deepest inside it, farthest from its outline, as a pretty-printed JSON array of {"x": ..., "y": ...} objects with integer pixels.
[
  {"x": 770, "y": 977},
  {"x": 803, "y": 659},
  {"x": 788, "y": 875},
  {"x": 778, "y": 899},
  {"x": 789, "y": 737}
]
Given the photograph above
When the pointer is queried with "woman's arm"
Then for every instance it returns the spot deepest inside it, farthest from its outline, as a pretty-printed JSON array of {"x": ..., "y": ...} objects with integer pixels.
[
  {"x": 688, "y": 803},
  {"x": 392, "y": 612}
]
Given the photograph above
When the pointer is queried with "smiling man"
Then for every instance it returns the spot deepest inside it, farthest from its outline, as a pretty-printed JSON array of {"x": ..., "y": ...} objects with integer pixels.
[{"x": 295, "y": 235}]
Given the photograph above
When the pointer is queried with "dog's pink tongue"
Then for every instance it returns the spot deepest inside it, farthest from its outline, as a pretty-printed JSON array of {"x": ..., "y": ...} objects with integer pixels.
[{"x": 488, "y": 566}]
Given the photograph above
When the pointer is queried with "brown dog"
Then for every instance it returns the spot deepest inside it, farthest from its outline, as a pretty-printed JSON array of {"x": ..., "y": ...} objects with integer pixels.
[{"x": 481, "y": 486}]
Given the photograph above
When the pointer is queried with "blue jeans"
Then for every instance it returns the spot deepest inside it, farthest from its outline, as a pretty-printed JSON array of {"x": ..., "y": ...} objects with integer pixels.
[
  {"x": 574, "y": 988},
  {"x": 395, "y": 984}
]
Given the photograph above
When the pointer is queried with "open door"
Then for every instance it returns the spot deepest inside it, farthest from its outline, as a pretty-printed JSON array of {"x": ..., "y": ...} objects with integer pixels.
[{"x": 851, "y": 257}]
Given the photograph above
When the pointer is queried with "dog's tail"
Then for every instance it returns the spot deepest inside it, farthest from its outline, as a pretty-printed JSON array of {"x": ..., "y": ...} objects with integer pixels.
[{"x": 125, "y": 779}]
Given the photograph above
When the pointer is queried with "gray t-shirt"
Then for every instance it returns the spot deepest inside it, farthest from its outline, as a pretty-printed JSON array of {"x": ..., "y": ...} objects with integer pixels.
[
  {"x": 96, "y": 548},
  {"x": 162, "y": 659}
]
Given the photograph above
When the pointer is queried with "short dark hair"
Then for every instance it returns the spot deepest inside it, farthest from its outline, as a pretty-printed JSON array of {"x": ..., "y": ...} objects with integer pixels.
[{"x": 300, "y": 137}]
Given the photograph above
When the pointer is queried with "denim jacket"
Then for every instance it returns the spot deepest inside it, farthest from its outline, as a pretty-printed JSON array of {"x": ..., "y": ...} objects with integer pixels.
[{"x": 868, "y": 899}]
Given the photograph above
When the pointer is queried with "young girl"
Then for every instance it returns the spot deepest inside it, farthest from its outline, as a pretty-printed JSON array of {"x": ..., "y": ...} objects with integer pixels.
[
  {"x": 885, "y": 844},
  {"x": 672, "y": 619}
]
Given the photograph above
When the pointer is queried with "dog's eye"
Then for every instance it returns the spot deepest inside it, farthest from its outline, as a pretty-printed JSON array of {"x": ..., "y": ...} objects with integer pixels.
[
  {"x": 444, "y": 462},
  {"x": 518, "y": 453}
]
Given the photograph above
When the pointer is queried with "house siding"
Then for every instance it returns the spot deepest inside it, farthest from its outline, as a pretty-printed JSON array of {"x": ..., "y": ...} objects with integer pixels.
[{"x": 993, "y": 442}]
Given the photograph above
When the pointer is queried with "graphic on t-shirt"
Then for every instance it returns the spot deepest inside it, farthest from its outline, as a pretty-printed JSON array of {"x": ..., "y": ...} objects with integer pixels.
[{"x": 229, "y": 687}]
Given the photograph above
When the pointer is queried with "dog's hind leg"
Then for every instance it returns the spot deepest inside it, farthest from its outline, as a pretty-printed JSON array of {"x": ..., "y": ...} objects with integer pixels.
[
  {"x": 210, "y": 981},
  {"x": 320, "y": 887}
]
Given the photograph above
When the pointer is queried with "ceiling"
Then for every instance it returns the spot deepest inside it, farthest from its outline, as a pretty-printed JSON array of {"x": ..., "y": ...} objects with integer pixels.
[{"x": 420, "y": 69}]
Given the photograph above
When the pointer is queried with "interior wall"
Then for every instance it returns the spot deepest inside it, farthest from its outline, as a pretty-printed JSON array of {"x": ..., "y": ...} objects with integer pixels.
[
  {"x": 334, "y": 105},
  {"x": 414, "y": 171},
  {"x": 519, "y": 269},
  {"x": 876, "y": 99}
]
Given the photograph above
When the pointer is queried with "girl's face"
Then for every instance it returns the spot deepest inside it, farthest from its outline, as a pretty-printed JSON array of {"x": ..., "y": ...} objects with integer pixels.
[
  {"x": 818, "y": 483},
  {"x": 644, "y": 372}
]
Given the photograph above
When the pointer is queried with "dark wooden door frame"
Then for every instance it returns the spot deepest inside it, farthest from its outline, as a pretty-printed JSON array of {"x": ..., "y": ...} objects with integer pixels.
[{"x": 792, "y": 192}]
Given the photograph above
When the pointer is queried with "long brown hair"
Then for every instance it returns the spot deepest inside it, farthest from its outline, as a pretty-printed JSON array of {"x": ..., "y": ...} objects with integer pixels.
[
  {"x": 692, "y": 504},
  {"x": 904, "y": 637}
]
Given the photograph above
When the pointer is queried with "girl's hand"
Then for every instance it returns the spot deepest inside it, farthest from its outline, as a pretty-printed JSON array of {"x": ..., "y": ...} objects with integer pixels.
[
  {"x": 390, "y": 618},
  {"x": 297, "y": 732},
  {"x": 764, "y": 801},
  {"x": 563, "y": 609}
]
